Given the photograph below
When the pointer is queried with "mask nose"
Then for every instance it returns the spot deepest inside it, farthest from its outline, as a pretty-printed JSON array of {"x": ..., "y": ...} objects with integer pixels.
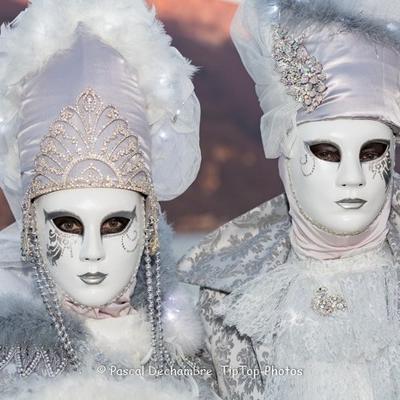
[
  {"x": 350, "y": 173},
  {"x": 92, "y": 245}
]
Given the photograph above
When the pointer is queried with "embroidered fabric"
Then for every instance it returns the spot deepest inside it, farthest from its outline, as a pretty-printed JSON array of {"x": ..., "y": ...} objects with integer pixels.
[
  {"x": 350, "y": 354},
  {"x": 239, "y": 248}
]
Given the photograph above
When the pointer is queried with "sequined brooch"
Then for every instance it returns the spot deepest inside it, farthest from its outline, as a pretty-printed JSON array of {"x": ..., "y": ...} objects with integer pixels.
[
  {"x": 325, "y": 304},
  {"x": 302, "y": 74}
]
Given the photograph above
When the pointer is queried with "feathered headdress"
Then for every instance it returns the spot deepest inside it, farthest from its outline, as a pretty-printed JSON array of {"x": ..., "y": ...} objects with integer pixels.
[{"x": 48, "y": 28}]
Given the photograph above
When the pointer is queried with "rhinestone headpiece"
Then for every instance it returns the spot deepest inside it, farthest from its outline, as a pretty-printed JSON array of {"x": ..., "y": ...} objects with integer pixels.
[
  {"x": 301, "y": 73},
  {"x": 90, "y": 146}
]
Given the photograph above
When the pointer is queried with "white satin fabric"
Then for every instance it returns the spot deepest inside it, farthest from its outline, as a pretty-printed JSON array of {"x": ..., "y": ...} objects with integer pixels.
[
  {"x": 362, "y": 78},
  {"x": 89, "y": 63}
]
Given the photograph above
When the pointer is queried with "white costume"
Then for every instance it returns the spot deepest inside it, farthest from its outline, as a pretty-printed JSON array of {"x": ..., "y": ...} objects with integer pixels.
[
  {"x": 99, "y": 121},
  {"x": 302, "y": 302}
]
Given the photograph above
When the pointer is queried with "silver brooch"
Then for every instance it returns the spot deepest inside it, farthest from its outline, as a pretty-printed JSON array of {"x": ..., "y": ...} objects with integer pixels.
[
  {"x": 325, "y": 304},
  {"x": 301, "y": 73}
]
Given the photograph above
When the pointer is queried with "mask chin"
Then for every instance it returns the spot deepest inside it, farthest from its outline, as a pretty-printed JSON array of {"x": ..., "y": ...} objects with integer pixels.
[
  {"x": 92, "y": 249},
  {"x": 334, "y": 190}
]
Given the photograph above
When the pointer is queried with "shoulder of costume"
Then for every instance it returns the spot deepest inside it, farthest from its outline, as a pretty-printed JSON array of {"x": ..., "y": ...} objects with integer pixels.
[
  {"x": 24, "y": 322},
  {"x": 28, "y": 339},
  {"x": 238, "y": 250}
]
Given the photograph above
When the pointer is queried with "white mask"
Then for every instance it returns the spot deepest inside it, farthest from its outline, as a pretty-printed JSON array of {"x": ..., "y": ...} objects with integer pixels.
[
  {"x": 91, "y": 241},
  {"x": 340, "y": 172}
]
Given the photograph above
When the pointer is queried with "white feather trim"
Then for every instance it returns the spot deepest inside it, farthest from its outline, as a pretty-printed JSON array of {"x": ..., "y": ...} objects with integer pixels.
[
  {"x": 182, "y": 325},
  {"x": 126, "y": 338},
  {"x": 48, "y": 26}
]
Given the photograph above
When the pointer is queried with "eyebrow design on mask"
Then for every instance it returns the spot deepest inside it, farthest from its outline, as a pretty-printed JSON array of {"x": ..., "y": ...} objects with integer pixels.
[
  {"x": 49, "y": 216},
  {"x": 124, "y": 214}
]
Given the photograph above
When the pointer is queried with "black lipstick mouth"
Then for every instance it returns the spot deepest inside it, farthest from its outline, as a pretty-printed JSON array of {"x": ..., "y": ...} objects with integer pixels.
[{"x": 92, "y": 278}]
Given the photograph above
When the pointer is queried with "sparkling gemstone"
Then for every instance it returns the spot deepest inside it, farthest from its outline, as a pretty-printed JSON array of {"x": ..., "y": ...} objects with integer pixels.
[
  {"x": 302, "y": 74},
  {"x": 307, "y": 100},
  {"x": 302, "y": 53},
  {"x": 325, "y": 304},
  {"x": 304, "y": 79}
]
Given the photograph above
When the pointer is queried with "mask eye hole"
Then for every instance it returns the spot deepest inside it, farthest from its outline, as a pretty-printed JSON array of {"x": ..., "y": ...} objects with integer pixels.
[
  {"x": 325, "y": 151},
  {"x": 69, "y": 225},
  {"x": 114, "y": 225},
  {"x": 372, "y": 151}
]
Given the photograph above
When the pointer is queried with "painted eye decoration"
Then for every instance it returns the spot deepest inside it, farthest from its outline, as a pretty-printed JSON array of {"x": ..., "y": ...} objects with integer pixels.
[
  {"x": 372, "y": 151},
  {"x": 114, "y": 225},
  {"x": 69, "y": 225},
  {"x": 326, "y": 152}
]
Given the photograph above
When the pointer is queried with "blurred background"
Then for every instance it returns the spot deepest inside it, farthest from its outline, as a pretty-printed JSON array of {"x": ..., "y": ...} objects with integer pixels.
[{"x": 234, "y": 176}]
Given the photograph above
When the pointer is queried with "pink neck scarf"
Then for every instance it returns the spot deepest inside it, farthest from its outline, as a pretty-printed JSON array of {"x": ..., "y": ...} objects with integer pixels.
[
  {"x": 119, "y": 308},
  {"x": 308, "y": 240}
]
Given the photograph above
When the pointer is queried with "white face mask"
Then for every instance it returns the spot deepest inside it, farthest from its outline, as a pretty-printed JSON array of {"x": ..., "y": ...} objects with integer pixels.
[
  {"x": 91, "y": 241},
  {"x": 340, "y": 171}
]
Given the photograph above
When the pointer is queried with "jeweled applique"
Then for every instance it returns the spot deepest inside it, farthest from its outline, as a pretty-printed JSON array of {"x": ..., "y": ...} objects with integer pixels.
[
  {"x": 34, "y": 360},
  {"x": 325, "y": 304},
  {"x": 301, "y": 73}
]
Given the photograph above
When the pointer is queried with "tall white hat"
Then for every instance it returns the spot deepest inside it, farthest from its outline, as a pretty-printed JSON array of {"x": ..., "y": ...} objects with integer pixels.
[{"x": 57, "y": 49}]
